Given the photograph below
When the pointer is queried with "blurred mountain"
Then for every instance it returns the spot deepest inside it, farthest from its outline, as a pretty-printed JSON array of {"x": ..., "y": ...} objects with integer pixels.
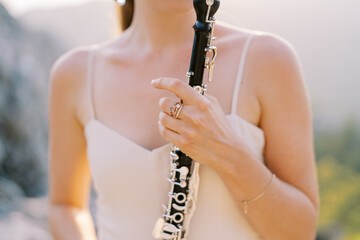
[
  {"x": 325, "y": 34},
  {"x": 25, "y": 61}
]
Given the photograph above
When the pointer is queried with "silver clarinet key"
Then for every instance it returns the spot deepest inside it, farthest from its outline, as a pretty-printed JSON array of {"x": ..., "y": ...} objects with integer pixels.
[
  {"x": 180, "y": 197},
  {"x": 174, "y": 156},
  {"x": 180, "y": 184},
  {"x": 179, "y": 208},
  {"x": 169, "y": 231},
  {"x": 183, "y": 171}
]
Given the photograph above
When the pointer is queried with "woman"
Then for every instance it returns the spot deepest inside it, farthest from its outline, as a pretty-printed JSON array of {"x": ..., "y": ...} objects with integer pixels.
[{"x": 253, "y": 124}]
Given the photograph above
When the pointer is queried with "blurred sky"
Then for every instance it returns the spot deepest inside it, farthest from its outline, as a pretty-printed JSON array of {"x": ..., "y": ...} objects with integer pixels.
[{"x": 18, "y": 7}]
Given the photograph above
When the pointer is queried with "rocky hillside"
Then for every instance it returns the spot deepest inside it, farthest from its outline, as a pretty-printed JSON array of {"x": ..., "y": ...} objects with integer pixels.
[{"x": 25, "y": 61}]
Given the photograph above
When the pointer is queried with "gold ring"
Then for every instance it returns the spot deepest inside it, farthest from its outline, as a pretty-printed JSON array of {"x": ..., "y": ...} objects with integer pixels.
[{"x": 176, "y": 109}]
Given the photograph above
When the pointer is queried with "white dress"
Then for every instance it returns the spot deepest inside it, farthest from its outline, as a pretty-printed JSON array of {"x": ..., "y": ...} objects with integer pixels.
[{"x": 131, "y": 185}]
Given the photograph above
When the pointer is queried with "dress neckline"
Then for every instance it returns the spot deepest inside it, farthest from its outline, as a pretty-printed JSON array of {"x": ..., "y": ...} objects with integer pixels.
[{"x": 257, "y": 129}]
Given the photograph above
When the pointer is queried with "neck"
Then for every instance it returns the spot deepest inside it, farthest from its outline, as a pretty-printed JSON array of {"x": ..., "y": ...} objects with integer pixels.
[{"x": 154, "y": 29}]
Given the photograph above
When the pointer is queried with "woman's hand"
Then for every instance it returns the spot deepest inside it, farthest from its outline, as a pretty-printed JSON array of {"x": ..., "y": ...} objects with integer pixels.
[{"x": 201, "y": 124}]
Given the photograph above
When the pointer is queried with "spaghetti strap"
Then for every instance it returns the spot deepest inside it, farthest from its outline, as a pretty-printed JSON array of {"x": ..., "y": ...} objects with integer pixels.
[
  {"x": 90, "y": 80},
  {"x": 240, "y": 73}
]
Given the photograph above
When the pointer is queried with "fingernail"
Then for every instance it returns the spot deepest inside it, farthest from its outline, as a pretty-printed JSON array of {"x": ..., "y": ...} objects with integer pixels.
[{"x": 154, "y": 81}]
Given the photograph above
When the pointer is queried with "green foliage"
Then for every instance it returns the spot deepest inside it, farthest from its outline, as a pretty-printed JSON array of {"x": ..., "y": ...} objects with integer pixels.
[
  {"x": 338, "y": 155},
  {"x": 343, "y": 144}
]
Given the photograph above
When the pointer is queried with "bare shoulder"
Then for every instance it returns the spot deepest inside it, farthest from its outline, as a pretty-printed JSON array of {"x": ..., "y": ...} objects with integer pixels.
[
  {"x": 68, "y": 80},
  {"x": 275, "y": 66},
  {"x": 272, "y": 51},
  {"x": 266, "y": 47},
  {"x": 272, "y": 64},
  {"x": 268, "y": 50},
  {"x": 69, "y": 69},
  {"x": 69, "y": 76}
]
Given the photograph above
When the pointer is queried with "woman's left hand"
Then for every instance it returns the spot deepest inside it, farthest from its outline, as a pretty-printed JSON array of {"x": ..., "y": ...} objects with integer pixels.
[{"x": 201, "y": 124}]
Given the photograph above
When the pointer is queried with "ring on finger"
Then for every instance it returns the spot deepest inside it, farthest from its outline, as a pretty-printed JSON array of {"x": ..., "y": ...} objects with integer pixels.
[{"x": 176, "y": 109}]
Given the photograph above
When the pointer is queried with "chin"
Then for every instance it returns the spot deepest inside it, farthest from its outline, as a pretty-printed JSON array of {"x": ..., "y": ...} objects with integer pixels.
[{"x": 176, "y": 6}]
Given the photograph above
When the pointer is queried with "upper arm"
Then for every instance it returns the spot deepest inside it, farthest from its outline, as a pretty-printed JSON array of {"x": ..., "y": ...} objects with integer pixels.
[
  {"x": 68, "y": 168},
  {"x": 286, "y": 116}
]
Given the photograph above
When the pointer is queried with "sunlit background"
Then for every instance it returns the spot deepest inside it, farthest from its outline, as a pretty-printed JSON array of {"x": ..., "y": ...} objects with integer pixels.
[
  {"x": 19, "y": 7},
  {"x": 34, "y": 33}
]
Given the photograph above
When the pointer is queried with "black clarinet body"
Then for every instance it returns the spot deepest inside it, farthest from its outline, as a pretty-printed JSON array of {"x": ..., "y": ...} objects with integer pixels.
[
  {"x": 184, "y": 172},
  {"x": 202, "y": 40}
]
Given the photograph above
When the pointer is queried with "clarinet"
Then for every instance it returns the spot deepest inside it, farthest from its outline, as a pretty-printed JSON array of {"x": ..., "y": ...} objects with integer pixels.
[{"x": 184, "y": 172}]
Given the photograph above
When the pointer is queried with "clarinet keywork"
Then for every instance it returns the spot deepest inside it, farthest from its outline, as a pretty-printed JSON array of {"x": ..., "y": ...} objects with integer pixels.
[{"x": 184, "y": 172}]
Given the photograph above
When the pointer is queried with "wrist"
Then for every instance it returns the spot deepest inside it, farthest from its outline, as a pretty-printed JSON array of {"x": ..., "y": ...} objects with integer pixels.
[
  {"x": 226, "y": 153},
  {"x": 238, "y": 166}
]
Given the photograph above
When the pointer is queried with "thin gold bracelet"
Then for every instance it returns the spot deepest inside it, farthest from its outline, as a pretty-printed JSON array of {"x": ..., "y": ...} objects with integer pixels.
[{"x": 245, "y": 203}]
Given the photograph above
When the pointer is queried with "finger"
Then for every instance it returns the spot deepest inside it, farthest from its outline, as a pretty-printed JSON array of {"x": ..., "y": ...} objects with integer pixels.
[
  {"x": 185, "y": 129},
  {"x": 170, "y": 135},
  {"x": 179, "y": 88},
  {"x": 171, "y": 123},
  {"x": 187, "y": 110},
  {"x": 165, "y": 104}
]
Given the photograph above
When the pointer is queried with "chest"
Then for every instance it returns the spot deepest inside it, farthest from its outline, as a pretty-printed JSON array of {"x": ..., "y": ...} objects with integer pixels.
[{"x": 125, "y": 101}]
